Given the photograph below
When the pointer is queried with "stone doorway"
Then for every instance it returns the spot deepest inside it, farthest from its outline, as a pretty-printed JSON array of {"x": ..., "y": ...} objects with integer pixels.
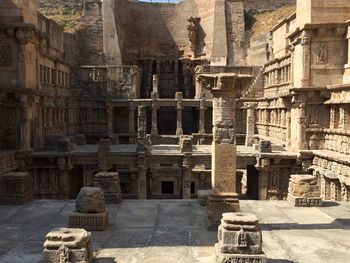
[{"x": 252, "y": 183}]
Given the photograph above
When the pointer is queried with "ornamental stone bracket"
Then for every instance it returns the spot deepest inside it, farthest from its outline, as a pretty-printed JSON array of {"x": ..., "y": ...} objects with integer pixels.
[{"x": 223, "y": 198}]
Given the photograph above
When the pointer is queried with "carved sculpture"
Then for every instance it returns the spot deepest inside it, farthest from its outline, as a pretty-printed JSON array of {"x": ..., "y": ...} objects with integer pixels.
[
  {"x": 193, "y": 33},
  {"x": 239, "y": 239},
  {"x": 65, "y": 245}
]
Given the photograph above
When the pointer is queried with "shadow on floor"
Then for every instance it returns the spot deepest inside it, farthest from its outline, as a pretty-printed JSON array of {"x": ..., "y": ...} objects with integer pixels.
[
  {"x": 339, "y": 223},
  {"x": 104, "y": 260},
  {"x": 329, "y": 204}
]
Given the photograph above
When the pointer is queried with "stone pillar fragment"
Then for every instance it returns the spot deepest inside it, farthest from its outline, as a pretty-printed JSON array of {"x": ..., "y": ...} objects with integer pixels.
[
  {"x": 239, "y": 239},
  {"x": 68, "y": 245},
  {"x": 250, "y": 123},
  {"x": 179, "y": 108},
  {"x": 110, "y": 185}
]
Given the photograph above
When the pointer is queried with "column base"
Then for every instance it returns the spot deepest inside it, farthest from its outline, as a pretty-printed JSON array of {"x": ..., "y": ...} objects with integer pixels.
[
  {"x": 243, "y": 258},
  {"x": 89, "y": 222},
  {"x": 219, "y": 203}
]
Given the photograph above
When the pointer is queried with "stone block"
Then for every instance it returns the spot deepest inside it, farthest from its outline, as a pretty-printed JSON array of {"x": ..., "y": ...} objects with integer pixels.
[
  {"x": 265, "y": 146},
  {"x": 90, "y": 200},
  {"x": 239, "y": 239},
  {"x": 110, "y": 185},
  {"x": 203, "y": 196},
  {"x": 68, "y": 245},
  {"x": 304, "y": 190},
  {"x": 15, "y": 188},
  {"x": 90, "y": 222},
  {"x": 304, "y": 201}
]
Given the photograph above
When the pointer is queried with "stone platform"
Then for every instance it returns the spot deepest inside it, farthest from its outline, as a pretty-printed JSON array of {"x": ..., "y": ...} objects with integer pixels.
[{"x": 150, "y": 231}]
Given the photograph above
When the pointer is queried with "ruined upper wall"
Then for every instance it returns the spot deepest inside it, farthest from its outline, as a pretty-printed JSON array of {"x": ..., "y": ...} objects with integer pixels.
[
  {"x": 18, "y": 11},
  {"x": 147, "y": 30}
]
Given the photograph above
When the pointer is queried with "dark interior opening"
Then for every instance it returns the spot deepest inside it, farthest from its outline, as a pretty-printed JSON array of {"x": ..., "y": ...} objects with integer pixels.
[
  {"x": 193, "y": 187},
  {"x": 252, "y": 183},
  {"x": 167, "y": 187}
]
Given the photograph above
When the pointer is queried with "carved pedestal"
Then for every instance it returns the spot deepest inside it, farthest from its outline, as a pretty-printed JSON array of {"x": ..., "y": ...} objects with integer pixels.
[
  {"x": 90, "y": 222},
  {"x": 304, "y": 190},
  {"x": 110, "y": 185},
  {"x": 91, "y": 213},
  {"x": 239, "y": 239},
  {"x": 15, "y": 188},
  {"x": 68, "y": 245}
]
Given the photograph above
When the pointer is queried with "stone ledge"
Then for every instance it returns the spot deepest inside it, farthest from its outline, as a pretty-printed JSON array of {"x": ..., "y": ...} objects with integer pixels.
[{"x": 242, "y": 258}]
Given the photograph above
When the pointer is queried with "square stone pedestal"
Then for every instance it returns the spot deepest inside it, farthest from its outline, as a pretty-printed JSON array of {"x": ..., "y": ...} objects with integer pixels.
[
  {"x": 68, "y": 245},
  {"x": 90, "y": 222},
  {"x": 15, "y": 188},
  {"x": 219, "y": 203},
  {"x": 239, "y": 239}
]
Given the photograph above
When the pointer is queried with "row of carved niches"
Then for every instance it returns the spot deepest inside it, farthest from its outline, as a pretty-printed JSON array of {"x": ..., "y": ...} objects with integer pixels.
[
  {"x": 340, "y": 117},
  {"x": 278, "y": 72},
  {"x": 334, "y": 190},
  {"x": 332, "y": 169},
  {"x": 117, "y": 82},
  {"x": 275, "y": 116}
]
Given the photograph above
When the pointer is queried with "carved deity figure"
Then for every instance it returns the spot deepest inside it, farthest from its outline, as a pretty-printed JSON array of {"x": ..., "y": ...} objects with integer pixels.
[
  {"x": 321, "y": 53},
  {"x": 64, "y": 254},
  {"x": 242, "y": 239}
]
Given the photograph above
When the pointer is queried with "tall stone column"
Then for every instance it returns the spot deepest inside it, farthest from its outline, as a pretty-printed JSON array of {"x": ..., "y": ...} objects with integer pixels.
[
  {"x": 179, "y": 108},
  {"x": 64, "y": 184},
  {"x": 131, "y": 122},
  {"x": 250, "y": 122},
  {"x": 155, "y": 107},
  {"x": 306, "y": 59},
  {"x": 25, "y": 132},
  {"x": 202, "y": 108},
  {"x": 288, "y": 123},
  {"x": 223, "y": 198},
  {"x": 186, "y": 177},
  {"x": 109, "y": 113},
  {"x": 142, "y": 179}
]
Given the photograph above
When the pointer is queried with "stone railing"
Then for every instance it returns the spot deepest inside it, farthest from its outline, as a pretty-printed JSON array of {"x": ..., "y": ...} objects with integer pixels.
[
  {"x": 337, "y": 140},
  {"x": 272, "y": 130},
  {"x": 278, "y": 77}
]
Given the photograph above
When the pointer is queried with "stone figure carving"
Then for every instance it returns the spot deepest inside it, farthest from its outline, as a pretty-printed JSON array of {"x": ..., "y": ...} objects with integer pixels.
[
  {"x": 193, "y": 32},
  {"x": 6, "y": 55},
  {"x": 142, "y": 123},
  {"x": 322, "y": 53},
  {"x": 242, "y": 238},
  {"x": 64, "y": 254},
  {"x": 224, "y": 132}
]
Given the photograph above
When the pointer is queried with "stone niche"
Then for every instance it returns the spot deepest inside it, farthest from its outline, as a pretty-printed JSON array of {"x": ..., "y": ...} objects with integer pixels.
[
  {"x": 15, "y": 188},
  {"x": 239, "y": 239},
  {"x": 68, "y": 245},
  {"x": 304, "y": 190},
  {"x": 110, "y": 185},
  {"x": 91, "y": 213}
]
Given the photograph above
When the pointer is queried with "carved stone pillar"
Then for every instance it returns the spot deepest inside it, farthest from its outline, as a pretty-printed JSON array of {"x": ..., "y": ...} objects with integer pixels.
[
  {"x": 155, "y": 82},
  {"x": 202, "y": 109},
  {"x": 142, "y": 123},
  {"x": 306, "y": 59},
  {"x": 64, "y": 184},
  {"x": 131, "y": 118},
  {"x": 250, "y": 122},
  {"x": 288, "y": 123},
  {"x": 186, "y": 179},
  {"x": 142, "y": 179},
  {"x": 264, "y": 168},
  {"x": 109, "y": 113},
  {"x": 26, "y": 125},
  {"x": 155, "y": 107},
  {"x": 224, "y": 198},
  {"x": 179, "y": 108}
]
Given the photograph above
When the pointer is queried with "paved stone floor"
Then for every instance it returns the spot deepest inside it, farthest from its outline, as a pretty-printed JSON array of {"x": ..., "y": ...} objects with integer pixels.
[{"x": 169, "y": 231}]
